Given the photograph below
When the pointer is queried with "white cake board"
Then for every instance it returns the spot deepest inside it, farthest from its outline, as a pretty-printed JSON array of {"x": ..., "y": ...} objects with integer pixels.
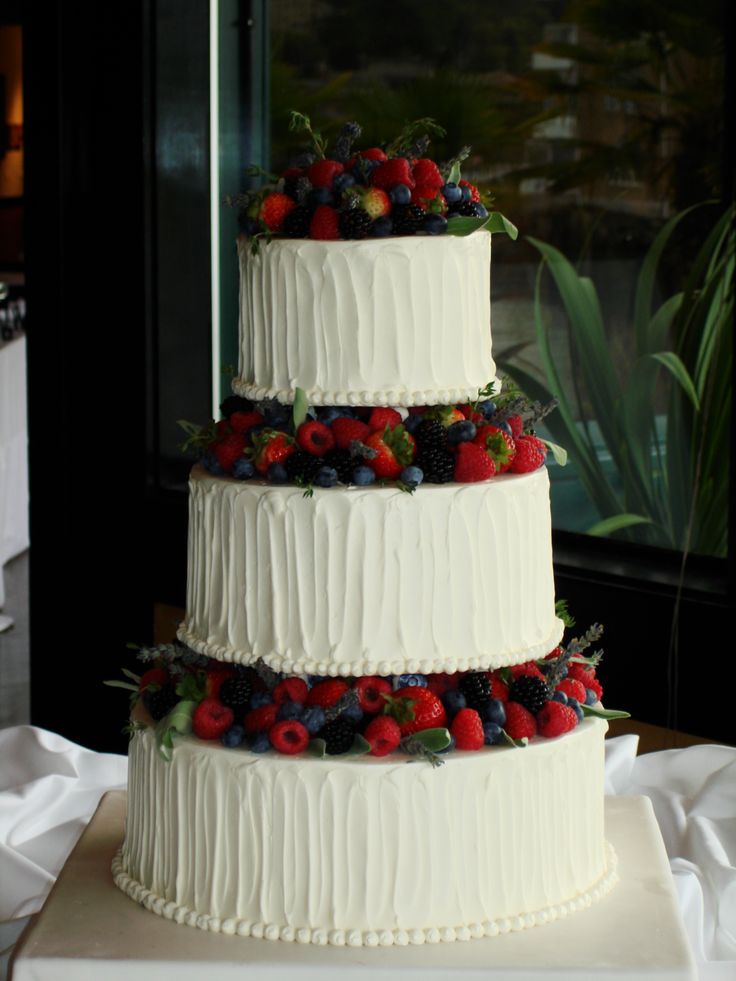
[{"x": 89, "y": 930}]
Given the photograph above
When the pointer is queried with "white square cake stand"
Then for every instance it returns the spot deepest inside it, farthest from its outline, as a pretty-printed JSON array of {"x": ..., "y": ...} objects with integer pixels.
[{"x": 89, "y": 930}]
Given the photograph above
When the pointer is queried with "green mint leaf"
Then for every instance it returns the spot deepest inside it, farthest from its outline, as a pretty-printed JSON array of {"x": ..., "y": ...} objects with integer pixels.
[
  {"x": 601, "y": 713},
  {"x": 435, "y": 740},
  {"x": 558, "y": 452},
  {"x": 317, "y": 747},
  {"x": 517, "y": 743},
  {"x": 360, "y": 746},
  {"x": 300, "y": 407}
]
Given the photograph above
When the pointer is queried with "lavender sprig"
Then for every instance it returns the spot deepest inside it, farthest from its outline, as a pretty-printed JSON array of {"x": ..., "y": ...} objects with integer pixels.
[
  {"x": 342, "y": 147},
  {"x": 268, "y": 676},
  {"x": 574, "y": 649},
  {"x": 345, "y": 701},
  {"x": 414, "y": 747}
]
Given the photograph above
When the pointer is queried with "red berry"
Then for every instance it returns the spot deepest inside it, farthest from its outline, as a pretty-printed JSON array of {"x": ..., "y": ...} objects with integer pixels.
[
  {"x": 415, "y": 709},
  {"x": 260, "y": 719},
  {"x": 326, "y": 693},
  {"x": 585, "y": 673},
  {"x": 274, "y": 210},
  {"x": 315, "y": 438},
  {"x": 372, "y": 153},
  {"x": 394, "y": 451},
  {"x": 243, "y": 422},
  {"x": 553, "y": 654},
  {"x": 440, "y": 683},
  {"x": 289, "y": 737},
  {"x": 384, "y": 735},
  {"x": 271, "y": 446},
  {"x": 429, "y": 199},
  {"x": 527, "y": 668},
  {"x": 499, "y": 446},
  {"x": 474, "y": 192},
  {"x": 154, "y": 676},
  {"x": 383, "y": 416},
  {"x": 228, "y": 449},
  {"x": 375, "y": 202},
  {"x": 499, "y": 688},
  {"x": 467, "y": 729},
  {"x": 211, "y": 719},
  {"x": 387, "y": 175},
  {"x": 572, "y": 688},
  {"x": 426, "y": 172},
  {"x": 291, "y": 690},
  {"x": 346, "y": 430},
  {"x": 517, "y": 425},
  {"x": 530, "y": 454},
  {"x": 325, "y": 225},
  {"x": 519, "y": 721},
  {"x": 554, "y": 719},
  {"x": 323, "y": 172},
  {"x": 472, "y": 463},
  {"x": 216, "y": 675},
  {"x": 370, "y": 693}
]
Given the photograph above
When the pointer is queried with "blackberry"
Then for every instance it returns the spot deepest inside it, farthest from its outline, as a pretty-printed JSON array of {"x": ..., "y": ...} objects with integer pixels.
[
  {"x": 437, "y": 465},
  {"x": 530, "y": 692},
  {"x": 235, "y": 693},
  {"x": 296, "y": 224},
  {"x": 355, "y": 223},
  {"x": 235, "y": 403},
  {"x": 302, "y": 467},
  {"x": 160, "y": 701},
  {"x": 338, "y": 736},
  {"x": 476, "y": 688},
  {"x": 342, "y": 462},
  {"x": 407, "y": 219},
  {"x": 430, "y": 434}
]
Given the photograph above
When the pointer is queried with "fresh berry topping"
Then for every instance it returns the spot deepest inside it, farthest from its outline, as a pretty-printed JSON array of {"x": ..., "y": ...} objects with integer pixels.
[
  {"x": 383, "y": 734},
  {"x": 585, "y": 674},
  {"x": 291, "y": 689},
  {"x": 302, "y": 467},
  {"x": 392, "y": 172},
  {"x": 313, "y": 718},
  {"x": 516, "y": 424},
  {"x": 315, "y": 438},
  {"x": 243, "y": 422},
  {"x": 499, "y": 446},
  {"x": 346, "y": 430},
  {"x": 211, "y": 719},
  {"x": 499, "y": 688},
  {"x": 461, "y": 432},
  {"x": 529, "y": 668},
  {"x": 495, "y": 711},
  {"x": 160, "y": 701},
  {"x": 467, "y": 729},
  {"x": 323, "y": 172},
  {"x": 370, "y": 693},
  {"x": 428, "y": 199},
  {"x": 355, "y": 224},
  {"x": 363, "y": 476},
  {"x": 572, "y": 688},
  {"x": 154, "y": 676},
  {"x": 274, "y": 210},
  {"x": 440, "y": 683},
  {"x": 472, "y": 464},
  {"x": 235, "y": 693},
  {"x": 407, "y": 219},
  {"x": 228, "y": 449},
  {"x": 381, "y": 417},
  {"x": 426, "y": 172},
  {"x": 271, "y": 446},
  {"x": 520, "y": 722},
  {"x": 556, "y": 718},
  {"x": 530, "y": 454},
  {"x": 233, "y": 737},
  {"x": 260, "y": 719},
  {"x": 474, "y": 192},
  {"x": 326, "y": 693},
  {"x": 394, "y": 451},
  {"x": 530, "y": 692},
  {"x": 416, "y": 709},
  {"x": 338, "y": 735},
  {"x": 342, "y": 462},
  {"x": 411, "y": 477},
  {"x": 435, "y": 224},
  {"x": 290, "y": 710},
  {"x": 375, "y": 202},
  {"x": 325, "y": 477},
  {"x": 453, "y": 700},
  {"x": 492, "y": 733},
  {"x": 217, "y": 674},
  {"x": 289, "y": 737},
  {"x": 297, "y": 222},
  {"x": 476, "y": 688},
  {"x": 325, "y": 224}
]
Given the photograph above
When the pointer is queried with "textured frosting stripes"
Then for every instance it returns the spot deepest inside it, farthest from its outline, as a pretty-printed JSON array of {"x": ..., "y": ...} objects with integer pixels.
[{"x": 402, "y": 322}]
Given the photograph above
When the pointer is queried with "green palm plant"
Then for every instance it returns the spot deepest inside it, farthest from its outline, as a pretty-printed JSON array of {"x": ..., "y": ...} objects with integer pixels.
[{"x": 670, "y": 492}]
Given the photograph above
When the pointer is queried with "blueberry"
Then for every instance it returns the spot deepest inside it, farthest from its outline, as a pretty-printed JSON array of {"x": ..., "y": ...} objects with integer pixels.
[
  {"x": 453, "y": 700},
  {"x": 559, "y": 696},
  {"x": 247, "y": 225},
  {"x": 435, "y": 224},
  {"x": 382, "y": 227},
  {"x": 410, "y": 681},
  {"x": 505, "y": 426},
  {"x": 276, "y": 414},
  {"x": 320, "y": 195},
  {"x": 461, "y": 432},
  {"x": 487, "y": 408},
  {"x": 342, "y": 181},
  {"x": 575, "y": 704},
  {"x": 243, "y": 469},
  {"x": 477, "y": 210},
  {"x": 233, "y": 737},
  {"x": 452, "y": 193},
  {"x": 495, "y": 711},
  {"x": 363, "y": 169},
  {"x": 590, "y": 697},
  {"x": 325, "y": 477},
  {"x": 363, "y": 476},
  {"x": 353, "y": 713},
  {"x": 210, "y": 464},
  {"x": 411, "y": 422},
  {"x": 400, "y": 194},
  {"x": 260, "y": 743},
  {"x": 260, "y": 698},
  {"x": 277, "y": 473},
  {"x": 492, "y": 733},
  {"x": 290, "y": 710},
  {"x": 329, "y": 413},
  {"x": 411, "y": 476},
  {"x": 465, "y": 192},
  {"x": 313, "y": 718}
]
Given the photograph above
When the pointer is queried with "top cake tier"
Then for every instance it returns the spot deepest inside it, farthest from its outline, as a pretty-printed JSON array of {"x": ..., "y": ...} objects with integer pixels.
[{"x": 400, "y": 321}]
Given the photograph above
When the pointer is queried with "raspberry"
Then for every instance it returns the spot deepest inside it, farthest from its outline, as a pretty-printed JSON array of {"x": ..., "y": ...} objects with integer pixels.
[
  {"x": 556, "y": 718},
  {"x": 260, "y": 719},
  {"x": 371, "y": 691},
  {"x": 211, "y": 719},
  {"x": 519, "y": 721},
  {"x": 325, "y": 224},
  {"x": 572, "y": 688},
  {"x": 474, "y": 192},
  {"x": 516, "y": 423},
  {"x": 499, "y": 688},
  {"x": 228, "y": 449},
  {"x": 243, "y": 422},
  {"x": 217, "y": 673},
  {"x": 291, "y": 690},
  {"x": 289, "y": 737},
  {"x": 346, "y": 430},
  {"x": 323, "y": 172},
  {"x": 315, "y": 438},
  {"x": 274, "y": 210},
  {"x": 383, "y": 734},
  {"x": 382, "y": 417},
  {"x": 392, "y": 172},
  {"x": 527, "y": 668},
  {"x": 472, "y": 464},
  {"x": 585, "y": 674},
  {"x": 467, "y": 729},
  {"x": 440, "y": 683},
  {"x": 326, "y": 693},
  {"x": 530, "y": 454}
]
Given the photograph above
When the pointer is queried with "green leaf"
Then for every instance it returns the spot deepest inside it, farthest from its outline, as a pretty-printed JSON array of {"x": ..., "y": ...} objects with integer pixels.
[
  {"x": 121, "y": 684},
  {"x": 360, "y": 746},
  {"x": 495, "y": 222},
  {"x": 558, "y": 452},
  {"x": 133, "y": 677},
  {"x": 192, "y": 687},
  {"x": 679, "y": 372},
  {"x": 601, "y": 713},
  {"x": 299, "y": 411},
  {"x": 517, "y": 743},
  {"x": 317, "y": 747},
  {"x": 180, "y": 717},
  {"x": 454, "y": 176},
  {"x": 435, "y": 740},
  {"x": 615, "y": 523}
]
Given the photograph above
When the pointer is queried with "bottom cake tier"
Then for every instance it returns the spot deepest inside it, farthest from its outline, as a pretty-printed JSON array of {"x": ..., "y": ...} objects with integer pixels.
[{"x": 367, "y": 851}]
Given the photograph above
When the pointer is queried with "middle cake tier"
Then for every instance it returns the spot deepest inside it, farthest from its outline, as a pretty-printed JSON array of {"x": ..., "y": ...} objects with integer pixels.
[{"x": 362, "y": 581}]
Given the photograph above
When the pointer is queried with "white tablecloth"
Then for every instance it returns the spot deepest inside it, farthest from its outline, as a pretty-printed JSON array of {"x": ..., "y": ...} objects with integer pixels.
[
  {"x": 13, "y": 454},
  {"x": 49, "y": 789}
]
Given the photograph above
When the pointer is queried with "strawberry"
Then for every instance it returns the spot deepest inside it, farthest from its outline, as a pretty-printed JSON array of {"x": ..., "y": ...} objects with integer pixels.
[
  {"x": 323, "y": 172},
  {"x": 392, "y": 172},
  {"x": 325, "y": 224},
  {"x": 572, "y": 688},
  {"x": 290, "y": 690},
  {"x": 346, "y": 430},
  {"x": 211, "y": 719},
  {"x": 381, "y": 417},
  {"x": 289, "y": 737},
  {"x": 585, "y": 674},
  {"x": 260, "y": 719},
  {"x": 394, "y": 451},
  {"x": 530, "y": 454},
  {"x": 372, "y": 153},
  {"x": 474, "y": 192},
  {"x": 370, "y": 693},
  {"x": 326, "y": 693},
  {"x": 499, "y": 688},
  {"x": 446, "y": 414},
  {"x": 426, "y": 172},
  {"x": 160, "y": 677},
  {"x": 228, "y": 449},
  {"x": 553, "y": 654},
  {"x": 274, "y": 210},
  {"x": 217, "y": 673},
  {"x": 499, "y": 446},
  {"x": 429, "y": 199},
  {"x": 375, "y": 201},
  {"x": 554, "y": 719},
  {"x": 315, "y": 438},
  {"x": 415, "y": 708},
  {"x": 271, "y": 446},
  {"x": 384, "y": 735},
  {"x": 467, "y": 730},
  {"x": 527, "y": 668},
  {"x": 519, "y": 721},
  {"x": 243, "y": 422},
  {"x": 440, "y": 683},
  {"x": 472, "y": 464}
]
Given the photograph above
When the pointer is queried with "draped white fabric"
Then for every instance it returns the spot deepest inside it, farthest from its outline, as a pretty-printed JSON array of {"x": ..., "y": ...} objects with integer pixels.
[
  {"x": 50, "y": 787},
  {"x": 13, "y": 454}
]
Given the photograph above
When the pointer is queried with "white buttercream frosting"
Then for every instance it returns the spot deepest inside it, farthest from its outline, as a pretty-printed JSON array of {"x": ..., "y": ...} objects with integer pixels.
[
  {"x": 371, "y": 580},
  {"x": 367, "y": 852},
  {"x": 398, "y": 321}
]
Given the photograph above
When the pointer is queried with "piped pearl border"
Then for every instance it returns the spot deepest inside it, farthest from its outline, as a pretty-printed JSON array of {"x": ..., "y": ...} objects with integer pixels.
[
  {"x": 345, "y": 669},
  {"x": 233, "y": 926},
  {"x": 316, "y": 396}
]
